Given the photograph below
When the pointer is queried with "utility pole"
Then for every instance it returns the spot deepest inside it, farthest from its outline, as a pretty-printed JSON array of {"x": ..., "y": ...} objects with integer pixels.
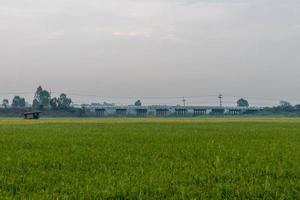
[
  {"x": 220, "y": 99},
  {"x": 184, "y": 101}
]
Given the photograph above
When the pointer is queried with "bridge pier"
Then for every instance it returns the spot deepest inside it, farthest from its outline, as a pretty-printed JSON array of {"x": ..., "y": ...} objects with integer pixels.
[
  {"x": 162, "y": 112},
  {"x": 121, "y": 112},
  {"x": 234, "y": 111},
  {"x": 180, "y": 112},
  {"x": 141, "y": 112},
  {"x": 100, "y": 112},
  {"x": 217, "y": 111},
  {"x": 198, "y": 112}
]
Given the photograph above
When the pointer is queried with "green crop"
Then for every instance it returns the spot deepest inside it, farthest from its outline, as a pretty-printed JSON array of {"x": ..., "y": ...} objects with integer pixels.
[{"x": 223, "y": 158}]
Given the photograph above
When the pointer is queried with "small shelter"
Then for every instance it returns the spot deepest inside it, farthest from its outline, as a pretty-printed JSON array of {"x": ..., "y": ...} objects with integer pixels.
[{"x": 32, "y": 115}]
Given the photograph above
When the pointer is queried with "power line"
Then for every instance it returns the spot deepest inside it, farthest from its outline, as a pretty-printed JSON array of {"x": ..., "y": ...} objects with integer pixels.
[
  {"x": 262, "y": 99},
  {"x": 15, "y": 93},
  {"x": 220, "y": 99},
  {"x": 133, "y": 97},
  {"x": 184, "y": 101}
]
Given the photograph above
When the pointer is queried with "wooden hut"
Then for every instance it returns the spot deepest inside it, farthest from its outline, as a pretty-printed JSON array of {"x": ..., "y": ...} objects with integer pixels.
[{"x": 32, "y": 115}]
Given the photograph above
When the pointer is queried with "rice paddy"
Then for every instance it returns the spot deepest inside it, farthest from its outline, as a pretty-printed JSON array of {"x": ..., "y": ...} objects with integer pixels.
[{"x": 222, "y": 158}]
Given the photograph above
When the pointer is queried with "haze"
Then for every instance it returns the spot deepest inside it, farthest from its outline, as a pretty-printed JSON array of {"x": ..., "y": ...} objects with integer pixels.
[{"x": 152, "y": 48}]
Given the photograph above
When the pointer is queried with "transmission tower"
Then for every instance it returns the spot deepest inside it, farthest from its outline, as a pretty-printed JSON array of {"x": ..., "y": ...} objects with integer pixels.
[
  {"x": 220, "y": 99},
  {"x": 183, "y": 101}
]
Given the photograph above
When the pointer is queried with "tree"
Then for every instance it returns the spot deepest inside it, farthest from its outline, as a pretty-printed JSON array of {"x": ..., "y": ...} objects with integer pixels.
[
  {"x": 138, "y": 103},
  {"x": 42, "y": 98},
  {"x": 18, "y": 102},
  {"x": 242, "y": 103},
  {"x": 64, "y": 103},
  {"x": 82, "y": 110},
  {"x": 36, "y": 100},
  {"x": 35, "y": 104},
  {"x": 286, "y": 106},
  {"x": 5, "y": 103},
  {"x": 297, "y": 107},
  {"x": 54, "y": 103}
]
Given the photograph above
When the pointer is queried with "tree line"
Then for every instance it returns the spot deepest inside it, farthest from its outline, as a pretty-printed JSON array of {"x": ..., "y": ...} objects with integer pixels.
[{"x": 42, "y": 100}]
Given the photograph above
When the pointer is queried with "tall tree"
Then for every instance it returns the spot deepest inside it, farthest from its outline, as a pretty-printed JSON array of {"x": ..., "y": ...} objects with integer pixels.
[
  {"x": 42, "y": 98},
  {"x": 242, "y": 103},
  {"x": 285, "y": 106},
  {"x": 5, "y": 103},
  {"x": 138, "y": 103},
  {"x": 54, "y": 103},
  {"x": 297, "y": 107},
  {"x": 18, "y": 102},
  {"x": 35, "y": 104},
  {"x": 64, "y": 103}
]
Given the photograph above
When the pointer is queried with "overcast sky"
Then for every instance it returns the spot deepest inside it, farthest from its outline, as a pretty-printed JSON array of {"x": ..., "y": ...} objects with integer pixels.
[{"x": 152, "y": 48}]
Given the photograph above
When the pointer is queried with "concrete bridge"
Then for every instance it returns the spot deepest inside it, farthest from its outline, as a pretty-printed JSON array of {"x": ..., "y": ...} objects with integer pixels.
[{"x": 170, "y": 111}]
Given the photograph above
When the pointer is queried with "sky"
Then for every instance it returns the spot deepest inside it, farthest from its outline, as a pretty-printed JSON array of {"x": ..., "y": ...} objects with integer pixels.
[{"x": 155, "y": 50}]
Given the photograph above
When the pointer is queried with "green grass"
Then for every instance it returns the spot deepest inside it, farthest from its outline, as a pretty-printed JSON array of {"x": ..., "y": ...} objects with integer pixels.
[{"x": 221, "y": 158}]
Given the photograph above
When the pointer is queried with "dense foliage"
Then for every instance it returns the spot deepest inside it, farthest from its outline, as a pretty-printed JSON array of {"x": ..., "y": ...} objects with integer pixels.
[
  {"x": 17, "y": 102},
  {"x": 138, "y": 103},
  {"x": 42, "y": 101},
  {"x": 242, "y": 103}
]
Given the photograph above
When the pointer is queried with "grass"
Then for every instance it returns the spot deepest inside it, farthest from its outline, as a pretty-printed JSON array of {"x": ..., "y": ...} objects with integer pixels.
[{"x": 223, "y": 158}]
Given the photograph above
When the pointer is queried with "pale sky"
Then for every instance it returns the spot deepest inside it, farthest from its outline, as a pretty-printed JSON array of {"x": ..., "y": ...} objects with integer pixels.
[{"x": 152, "y": 48}]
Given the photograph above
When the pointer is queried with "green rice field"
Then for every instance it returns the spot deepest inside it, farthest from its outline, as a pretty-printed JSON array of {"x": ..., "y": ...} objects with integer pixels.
[{"x": 213, "y": 158}]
